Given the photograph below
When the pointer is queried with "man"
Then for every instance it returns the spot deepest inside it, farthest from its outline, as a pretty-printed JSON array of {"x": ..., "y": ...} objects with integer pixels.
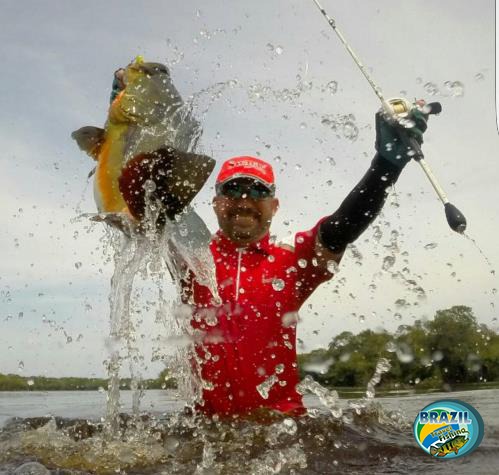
[
  {"x": 245, "y": 353},
  {"x": 246, "y": 350}
]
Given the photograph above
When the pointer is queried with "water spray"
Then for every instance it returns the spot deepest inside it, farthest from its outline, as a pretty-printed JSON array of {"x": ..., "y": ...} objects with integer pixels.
[{"x": 399, "y": 108}]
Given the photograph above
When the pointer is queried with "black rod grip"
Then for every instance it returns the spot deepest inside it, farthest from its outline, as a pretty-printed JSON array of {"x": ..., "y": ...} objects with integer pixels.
[{"x": 455, "y": 218}]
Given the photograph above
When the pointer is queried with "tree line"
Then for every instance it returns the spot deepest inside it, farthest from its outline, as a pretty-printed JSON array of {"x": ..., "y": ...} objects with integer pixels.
[
  {"x": 14, "y": 382},
  {"x": 451, "y": 349}
]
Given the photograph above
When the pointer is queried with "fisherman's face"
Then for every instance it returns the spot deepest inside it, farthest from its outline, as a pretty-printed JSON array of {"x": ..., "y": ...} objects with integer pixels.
[{"x": 244, "y": 209}]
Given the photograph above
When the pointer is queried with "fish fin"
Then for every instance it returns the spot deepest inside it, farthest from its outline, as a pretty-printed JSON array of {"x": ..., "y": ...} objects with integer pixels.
[
  {"x": 177, "y": 176},
  {"x": 89, "y": 140},
  {"x": 119, "y": 220},
  {"x": 441, "y": 454}
]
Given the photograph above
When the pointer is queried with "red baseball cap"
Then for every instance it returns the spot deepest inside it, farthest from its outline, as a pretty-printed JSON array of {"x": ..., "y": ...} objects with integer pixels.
[{"x": 240, "y": 167}]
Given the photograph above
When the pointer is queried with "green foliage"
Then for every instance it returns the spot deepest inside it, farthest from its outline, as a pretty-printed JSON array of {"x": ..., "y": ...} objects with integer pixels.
[
  {"x": 13, "y": 382},
  {"x": 450, "y": 349}
]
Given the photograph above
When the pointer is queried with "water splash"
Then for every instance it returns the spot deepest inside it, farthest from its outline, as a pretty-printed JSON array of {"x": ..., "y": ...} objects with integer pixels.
[
  {"x": 343, "y": 125},
  {"x": 383, "y": 366},
  {"x": 328, "y": 397},
  {"x": 265, "y": 387},
  {"x": 487, "y": 260}
]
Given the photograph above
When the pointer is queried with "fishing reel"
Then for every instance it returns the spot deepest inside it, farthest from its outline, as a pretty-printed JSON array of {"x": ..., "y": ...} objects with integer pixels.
[{"x": 399, "y": 108}]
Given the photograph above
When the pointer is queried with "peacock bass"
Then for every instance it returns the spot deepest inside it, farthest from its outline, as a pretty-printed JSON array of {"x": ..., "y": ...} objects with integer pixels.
[{"x": 148, "y": 135}]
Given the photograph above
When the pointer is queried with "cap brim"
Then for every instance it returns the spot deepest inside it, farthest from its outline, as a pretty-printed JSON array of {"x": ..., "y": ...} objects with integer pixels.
[{"x": 270, "y": 186}]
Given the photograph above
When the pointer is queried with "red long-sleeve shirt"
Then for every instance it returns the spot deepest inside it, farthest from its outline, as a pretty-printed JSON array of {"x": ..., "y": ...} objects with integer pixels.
[{"x": 247, "y": 354}]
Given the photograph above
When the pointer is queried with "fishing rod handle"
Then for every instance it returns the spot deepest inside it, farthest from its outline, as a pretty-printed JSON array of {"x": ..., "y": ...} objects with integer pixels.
[
  {"x": 433, "y": 180},
  {"x": 417, "y": 154}
]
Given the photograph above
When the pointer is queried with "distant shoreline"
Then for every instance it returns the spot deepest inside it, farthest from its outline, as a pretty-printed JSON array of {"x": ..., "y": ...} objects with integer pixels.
[
  {"x": 14, "y": 382},
  {"x": 11, "y": 383}
]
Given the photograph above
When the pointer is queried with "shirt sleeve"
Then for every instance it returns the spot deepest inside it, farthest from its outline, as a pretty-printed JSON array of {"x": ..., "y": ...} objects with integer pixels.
[{"x": 309, "y": 275}]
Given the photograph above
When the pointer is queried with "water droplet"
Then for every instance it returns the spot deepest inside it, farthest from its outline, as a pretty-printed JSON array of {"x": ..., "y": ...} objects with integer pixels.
[
  {"x": 171, "y": 444},
  {"x": 78, "y": 264},
  {"x": 289, "y": 426},
  {"x": 437, "y": 355},
  {"x": 279, "y": 50},
  {"x": 332, "y": 87},
  {"x": 431, "y": 88},
  {"x": 30, "y": 382},
  {"x": 331, "y": 161},
  {"x": 303, "y": 125},
  {"x": 332, "y": 266},
  {"x": 289, "y": 319},
  {"x": 329, "y": 182},
  {"x": 20, "y": 365},
  {"x": 391, "y": 347},
  {"x": 404, "y": 353},
  {"x": 300, "y": 240},
  {"x": 388, "y": 262},
  {"x": 279, "y": 369},
  {"x": 474, "y": 363},
  {"x": 278, "y": 284},
  {"x": 431, "y": 245},
  {"x": 302, "y": 263},
  {"x": 265, "y": 387},
  {"x": 479, "y": 77},
  {"x": 350, "y": 131},
  {"x": 456, "y": 88},
  {"x": 401, "y": 303},
  {"x": 149, "y": 186}
]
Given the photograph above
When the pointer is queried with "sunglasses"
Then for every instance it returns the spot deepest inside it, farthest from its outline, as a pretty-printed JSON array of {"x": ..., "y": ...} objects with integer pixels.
[{"x": 235, "y": 190}]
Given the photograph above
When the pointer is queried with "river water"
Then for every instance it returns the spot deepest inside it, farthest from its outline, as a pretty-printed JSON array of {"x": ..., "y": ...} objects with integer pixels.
[{"x": 364, "y": 437}]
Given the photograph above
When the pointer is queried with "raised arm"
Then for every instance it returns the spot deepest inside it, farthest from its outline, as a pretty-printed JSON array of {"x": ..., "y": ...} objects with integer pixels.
[{"x": 361, "y": 206}]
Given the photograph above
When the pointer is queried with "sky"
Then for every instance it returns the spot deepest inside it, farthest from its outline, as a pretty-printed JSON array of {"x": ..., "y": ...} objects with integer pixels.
[{"x": 269, "y": 78}]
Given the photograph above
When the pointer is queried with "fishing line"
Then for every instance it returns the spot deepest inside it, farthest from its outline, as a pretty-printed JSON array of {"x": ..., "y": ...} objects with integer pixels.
[{"x": 396, "y": 109}]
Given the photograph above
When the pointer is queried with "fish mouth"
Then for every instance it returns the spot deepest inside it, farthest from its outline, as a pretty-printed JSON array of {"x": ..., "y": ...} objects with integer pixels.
[{"x": 149, "y": 68}]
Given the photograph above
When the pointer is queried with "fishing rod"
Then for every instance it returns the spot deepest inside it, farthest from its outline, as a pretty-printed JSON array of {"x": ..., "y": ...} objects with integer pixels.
[{"x": 396, "y": 109}]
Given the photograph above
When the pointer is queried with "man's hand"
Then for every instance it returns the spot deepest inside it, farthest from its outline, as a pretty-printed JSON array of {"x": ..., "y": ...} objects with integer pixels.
[{"x": 390, "y": 141}]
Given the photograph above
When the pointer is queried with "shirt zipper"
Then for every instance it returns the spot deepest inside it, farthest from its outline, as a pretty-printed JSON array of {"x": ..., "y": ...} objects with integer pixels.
[{"x": 238, "y": 275}]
